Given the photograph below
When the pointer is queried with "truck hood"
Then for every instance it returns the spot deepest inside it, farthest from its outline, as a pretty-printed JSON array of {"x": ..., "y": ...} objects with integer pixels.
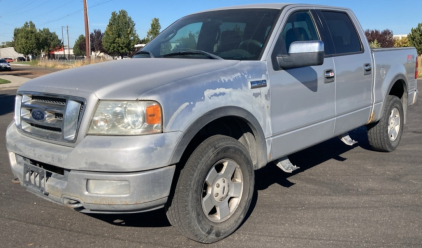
[{"x": 125, "y": 79}]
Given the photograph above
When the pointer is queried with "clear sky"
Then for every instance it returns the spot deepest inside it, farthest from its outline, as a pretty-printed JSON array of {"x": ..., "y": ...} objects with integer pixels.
[{"x": 399, "y": 16}]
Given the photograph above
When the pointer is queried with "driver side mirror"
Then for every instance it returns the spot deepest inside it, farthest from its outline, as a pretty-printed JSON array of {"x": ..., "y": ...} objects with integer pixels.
[{"x": 302, "y": 54}]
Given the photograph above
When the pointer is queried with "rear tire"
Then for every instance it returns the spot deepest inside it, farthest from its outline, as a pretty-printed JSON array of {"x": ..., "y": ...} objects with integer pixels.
[
  {"x": 214, "y": 190},
  {"x": 385, "y": 135}
]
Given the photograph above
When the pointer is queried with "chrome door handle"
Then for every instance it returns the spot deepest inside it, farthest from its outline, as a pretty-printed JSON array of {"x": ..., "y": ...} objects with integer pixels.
[
  {"x": 367, "y": 68},
  {"x": 329, "y": 76}
]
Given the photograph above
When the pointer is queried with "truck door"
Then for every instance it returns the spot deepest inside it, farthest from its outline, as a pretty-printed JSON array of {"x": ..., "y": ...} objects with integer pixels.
[
  {"x": 353, "y": 69},
  {"x": 302, "y": 99}
]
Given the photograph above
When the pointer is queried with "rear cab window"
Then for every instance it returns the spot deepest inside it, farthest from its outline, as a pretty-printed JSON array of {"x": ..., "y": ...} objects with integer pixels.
[{"x": 343, "y": 33}]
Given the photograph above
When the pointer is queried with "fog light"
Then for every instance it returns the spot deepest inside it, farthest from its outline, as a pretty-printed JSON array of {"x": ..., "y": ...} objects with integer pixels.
[{"x": 108, "y": 187}]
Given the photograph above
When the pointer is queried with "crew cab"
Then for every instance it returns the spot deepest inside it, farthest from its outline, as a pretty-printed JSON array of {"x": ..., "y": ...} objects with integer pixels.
[{"x": 214, "y": 97}]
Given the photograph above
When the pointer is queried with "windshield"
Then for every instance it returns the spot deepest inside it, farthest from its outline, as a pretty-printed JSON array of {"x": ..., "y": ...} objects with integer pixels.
[
  {"x": 228, "y": 34},
  {"x": 2, "y": 61}
]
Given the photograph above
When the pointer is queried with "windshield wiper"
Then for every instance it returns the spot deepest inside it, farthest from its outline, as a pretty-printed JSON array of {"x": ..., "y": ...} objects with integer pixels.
[{"x": 190, "y": 52}]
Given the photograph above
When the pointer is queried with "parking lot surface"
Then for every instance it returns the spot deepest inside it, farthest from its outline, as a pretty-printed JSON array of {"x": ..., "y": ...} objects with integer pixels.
[{"x": 341, "y": 197}]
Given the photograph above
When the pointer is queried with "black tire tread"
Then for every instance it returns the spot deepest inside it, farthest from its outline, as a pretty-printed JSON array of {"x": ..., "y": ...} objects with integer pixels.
[
  {"x": 177, "y": 212},
  {"x": 377, "y": 137}
]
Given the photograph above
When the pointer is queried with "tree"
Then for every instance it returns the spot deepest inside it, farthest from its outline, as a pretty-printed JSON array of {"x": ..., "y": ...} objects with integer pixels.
[
  {"x": 77, "y": 47},
  {"x": 96, "y": 38},
  {"x": 7, "y": 44},
  {"x": 402, "y": 42},
  {"x": 153, "y": 31},
  {"x": 415, "y": 38},
  {"x": 26, "y": 39},
  {"x": 120, "y": 36},
  {"x": 384, "y": 38},
  {"x": 48, "y": 41},
  {"x": 374, "y": 44}
]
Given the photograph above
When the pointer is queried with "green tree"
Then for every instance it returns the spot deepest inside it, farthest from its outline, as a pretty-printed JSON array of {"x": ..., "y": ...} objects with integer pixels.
[
  {"x": 154, "y": 30},
  {"x": 76, "y": 47},
  {"x": 402, "y": 42},
  {"x": 374, "y": 44},
  {"x": 48, "y": 41},
  {"x": 120, "y": 36},
  {"x": 26, "y": 39},
  {"x": 415, "y": 38},
  {"x": 7, "y": 44}
]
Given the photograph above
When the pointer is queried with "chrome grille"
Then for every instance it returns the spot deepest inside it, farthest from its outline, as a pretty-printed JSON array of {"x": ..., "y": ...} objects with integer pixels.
[{"x": 51, "y": 117}]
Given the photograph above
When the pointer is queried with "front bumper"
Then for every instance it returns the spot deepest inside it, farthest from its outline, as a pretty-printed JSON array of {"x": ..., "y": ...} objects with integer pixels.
[
  {"x": 142, "y": 162},
  {"x": 148, "y": 190}
]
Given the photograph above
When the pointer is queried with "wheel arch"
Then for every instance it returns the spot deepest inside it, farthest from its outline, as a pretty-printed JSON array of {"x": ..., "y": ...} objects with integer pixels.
[
  {"x": 398, "y": 87},
  {"x": 234, "y": 113}
]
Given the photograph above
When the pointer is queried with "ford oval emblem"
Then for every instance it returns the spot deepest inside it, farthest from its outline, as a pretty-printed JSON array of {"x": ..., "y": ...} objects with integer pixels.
[{"x": 38, "y": 115}]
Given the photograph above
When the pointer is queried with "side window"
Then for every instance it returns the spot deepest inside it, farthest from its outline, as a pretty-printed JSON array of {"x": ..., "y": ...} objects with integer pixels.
[
  {"x": 343, "y": 32},
  {"x": 299, "y": 27}
]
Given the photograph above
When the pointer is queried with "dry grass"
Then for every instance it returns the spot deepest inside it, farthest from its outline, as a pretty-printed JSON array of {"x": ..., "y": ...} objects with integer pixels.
[
  {"x": 420, "y": 66},
  {"x": 66, "y": 64}
]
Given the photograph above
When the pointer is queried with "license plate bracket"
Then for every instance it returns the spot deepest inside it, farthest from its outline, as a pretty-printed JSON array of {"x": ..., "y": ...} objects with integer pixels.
[{"x": 34, "y": 178}]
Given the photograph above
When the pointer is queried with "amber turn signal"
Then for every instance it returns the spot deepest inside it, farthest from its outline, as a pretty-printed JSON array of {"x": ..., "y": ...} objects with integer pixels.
[{"x": 153, "y": 113}]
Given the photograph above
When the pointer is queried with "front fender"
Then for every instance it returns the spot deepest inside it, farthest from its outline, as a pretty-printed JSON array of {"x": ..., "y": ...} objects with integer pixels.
[{"x": 215, "y": 114}]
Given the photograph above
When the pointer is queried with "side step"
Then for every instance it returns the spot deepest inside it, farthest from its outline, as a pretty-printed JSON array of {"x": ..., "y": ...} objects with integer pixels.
[
  {"x": 287, "y": 166},
  {"x": 347, "y": 140}
]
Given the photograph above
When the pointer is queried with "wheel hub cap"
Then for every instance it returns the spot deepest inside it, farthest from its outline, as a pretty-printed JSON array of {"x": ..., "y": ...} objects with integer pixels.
[
  {"x": 221, "y": 189},
  {"x": 394, "y": 124}
]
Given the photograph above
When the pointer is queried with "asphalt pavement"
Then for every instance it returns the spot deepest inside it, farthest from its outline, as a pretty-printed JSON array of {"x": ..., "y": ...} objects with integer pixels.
[{"x": 341, "y": 197}]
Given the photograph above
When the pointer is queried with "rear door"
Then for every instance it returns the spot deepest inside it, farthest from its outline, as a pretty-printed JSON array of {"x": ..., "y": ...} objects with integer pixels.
[{"x": 353, "y": 69}]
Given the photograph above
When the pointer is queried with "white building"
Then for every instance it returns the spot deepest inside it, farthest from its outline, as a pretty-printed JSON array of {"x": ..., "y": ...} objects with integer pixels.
[{"x": 9, "y": 52}]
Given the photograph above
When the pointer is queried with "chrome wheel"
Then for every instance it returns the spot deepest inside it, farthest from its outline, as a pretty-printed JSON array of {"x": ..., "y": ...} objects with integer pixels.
[
  {"x": 394, "y": 124},
  {"x": 222, "y": 190}
]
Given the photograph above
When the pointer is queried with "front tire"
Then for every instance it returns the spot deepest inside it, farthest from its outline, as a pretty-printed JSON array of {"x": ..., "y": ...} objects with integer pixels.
[
  {"x": 385, "y": 135},
  {"x": 214, "y": 190}
]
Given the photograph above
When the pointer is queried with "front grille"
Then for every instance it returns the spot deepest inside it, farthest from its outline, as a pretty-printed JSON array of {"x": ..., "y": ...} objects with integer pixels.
[{"x": 51, "y": 117}]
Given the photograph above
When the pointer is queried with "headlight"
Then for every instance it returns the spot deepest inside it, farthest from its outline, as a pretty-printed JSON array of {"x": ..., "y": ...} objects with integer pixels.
[{"x": 126, "y": 118}]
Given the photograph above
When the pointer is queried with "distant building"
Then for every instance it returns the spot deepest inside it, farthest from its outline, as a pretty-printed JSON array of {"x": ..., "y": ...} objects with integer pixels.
[
  {"x": 62, "y": 52},
  {"x": 399, "y": 36},
  {"x": 9, "y": 52}
]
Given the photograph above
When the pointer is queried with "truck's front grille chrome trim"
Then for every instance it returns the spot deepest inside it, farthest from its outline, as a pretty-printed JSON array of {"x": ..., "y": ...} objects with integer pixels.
[{"x": 51, "y": 117}]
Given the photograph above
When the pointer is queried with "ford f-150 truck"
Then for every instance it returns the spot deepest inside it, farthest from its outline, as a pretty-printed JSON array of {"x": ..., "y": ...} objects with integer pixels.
[{"x": 215, "y": 96}]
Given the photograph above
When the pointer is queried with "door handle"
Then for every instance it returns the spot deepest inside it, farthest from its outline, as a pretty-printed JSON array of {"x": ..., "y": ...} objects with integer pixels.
[
  {"x": 329, "y": 76},
  {"x": 367, "y": 68}
]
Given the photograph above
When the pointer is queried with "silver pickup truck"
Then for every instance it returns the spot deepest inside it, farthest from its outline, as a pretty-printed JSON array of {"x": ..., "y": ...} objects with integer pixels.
[{"x": 217, "y": 95}]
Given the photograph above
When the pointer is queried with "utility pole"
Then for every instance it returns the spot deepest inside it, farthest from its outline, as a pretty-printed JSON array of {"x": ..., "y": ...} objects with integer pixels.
[
  {"x": 64, "y": 55},
  {"x": 68, "y": 47},
  {"x": 87, "y": 40}
]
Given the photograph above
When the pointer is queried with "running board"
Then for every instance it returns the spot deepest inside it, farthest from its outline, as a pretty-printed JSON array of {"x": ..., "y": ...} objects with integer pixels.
[
  {"x": 347, "y": 140},
  {"x": 287, "y": 166}
]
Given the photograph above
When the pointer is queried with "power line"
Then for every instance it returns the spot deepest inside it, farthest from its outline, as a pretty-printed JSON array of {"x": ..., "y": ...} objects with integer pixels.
[
  {"x": 33, "y": 8},
  {"x": 51, "y": 10},
  {"x": 76, "y": 12},
  {"x": 19, "y": 7}
]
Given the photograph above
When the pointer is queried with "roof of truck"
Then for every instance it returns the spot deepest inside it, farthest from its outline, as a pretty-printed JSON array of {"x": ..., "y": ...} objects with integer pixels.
[{"x": 266, "y": 6}]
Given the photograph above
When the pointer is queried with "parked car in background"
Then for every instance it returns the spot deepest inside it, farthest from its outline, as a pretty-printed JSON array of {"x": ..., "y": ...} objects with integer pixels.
[
  {"x": 4, "y": 65},
  {"x": 19, "y": 59},
  {"x": 9, "y": 60}
]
